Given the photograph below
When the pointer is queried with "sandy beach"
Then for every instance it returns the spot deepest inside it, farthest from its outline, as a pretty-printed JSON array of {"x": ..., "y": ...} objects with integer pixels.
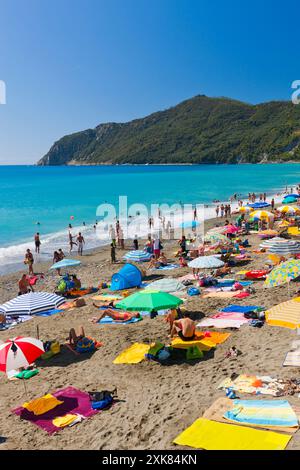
[{"x": 156, "y": 402}]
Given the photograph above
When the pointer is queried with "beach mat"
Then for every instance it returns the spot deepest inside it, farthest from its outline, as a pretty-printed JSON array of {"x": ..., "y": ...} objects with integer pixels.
[
  {"x": 107, "y": 297},
  {"x": 13, "y": 321},
  {"x": 203, "y": 343},
  {"x": 222, "y": 405},
  {"x": 241, "y": 308},
  {"x": 212, "y": 435},
  {"x": 133, "y": 355},
  {"x": 292, "y": 358},
  {"x": 74, "y": 401},
  {"x": 219, "y": 295},
  {"x": 166, "y": 268}
]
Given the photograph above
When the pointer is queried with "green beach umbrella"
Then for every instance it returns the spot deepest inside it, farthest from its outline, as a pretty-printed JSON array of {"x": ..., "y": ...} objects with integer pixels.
[{"x": 149, "y": 301}]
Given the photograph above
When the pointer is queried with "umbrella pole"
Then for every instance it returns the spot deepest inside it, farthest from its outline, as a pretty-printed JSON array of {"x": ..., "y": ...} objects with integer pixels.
[
  {"x": 25, "y": 387},
  {"x": 37, "y": 331}
]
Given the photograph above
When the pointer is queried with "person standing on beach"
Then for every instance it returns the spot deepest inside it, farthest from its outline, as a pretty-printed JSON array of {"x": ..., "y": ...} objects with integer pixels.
[
  {"x": 29, "y": 260},
  {"x": 272, "y": 204},
  {"x": 113, "y": 253},
  {"x": 136, "y": 243},
  {"x": 37, "y": 242},
  {"x": 195, "y": 214},
  {"x": 81, "y": 242},
  {"x": 222, "y": 211},
  {"x": 217, "y": 211},
  {"x": 71, "y": 243},
  {"x": 112, "y": 234}
]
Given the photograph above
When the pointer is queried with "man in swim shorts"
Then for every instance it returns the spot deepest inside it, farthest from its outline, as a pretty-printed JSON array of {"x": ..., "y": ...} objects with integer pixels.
[{"x": 184, "y": 328}]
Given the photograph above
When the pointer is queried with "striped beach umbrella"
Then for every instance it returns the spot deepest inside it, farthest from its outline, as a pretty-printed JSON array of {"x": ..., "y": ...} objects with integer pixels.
[
  {"x": 283, "y": 273},
  {"x": 31, "y": 303},
  {"x": 206, "y": 262},
  {"x": 166, "y": 285},
  {"x": 19, "y": 352},
  {"x": 286, "y": 314},
  {"x": 262, "y": 215},
  {"x": 137, "y": 256},
  {"x": 245, "y": 209},
  {"x": 289, "y": 210},
  {"x": 281, "y": 246},
  {"x": 268, "y": 233}
]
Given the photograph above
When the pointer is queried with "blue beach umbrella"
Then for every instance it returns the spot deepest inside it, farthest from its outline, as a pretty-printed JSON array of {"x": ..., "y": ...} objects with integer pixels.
[
  {"x": 66, "y": 263},
  {"x": 138, "y": 256},
  {"x": 259, "y": 205},
  {"x": 189, "y": 224}
]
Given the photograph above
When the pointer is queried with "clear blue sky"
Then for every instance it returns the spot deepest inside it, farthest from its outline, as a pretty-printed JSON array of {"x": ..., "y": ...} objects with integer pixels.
[{"x": 71, "y": 64}]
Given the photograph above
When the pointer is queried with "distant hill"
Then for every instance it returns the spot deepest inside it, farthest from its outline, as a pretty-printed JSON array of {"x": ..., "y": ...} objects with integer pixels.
[{"x": 198, "y": 130}]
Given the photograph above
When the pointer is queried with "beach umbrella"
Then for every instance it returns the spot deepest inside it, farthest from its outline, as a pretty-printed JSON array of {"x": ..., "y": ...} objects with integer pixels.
[
  {"x": 245, "y": 209},
  {"x": 166, "y": 285},
  {"x": 216, "y": 238},
  {"x": 150, "y": 301},
  {"x": 261, "y": 215},
  {"x": 66, "y": 263},
  {"x": 296, "y": 196},
  {"x": 137, "y": 256},
  {"x": 283, "y": 273},
  {"x": 31, "y": 303},
  {"x": 259, "y": 205},
  {"x": 289, "y": 200},
  {"x": 281, "y": 247},
  {"x": 206, "y": 262},
  {"x": 19, "y": 352},
  {"x": 285, "y": 314},
  {"x": 289, "y": 210},
  {"x": 189, "y": 224}
]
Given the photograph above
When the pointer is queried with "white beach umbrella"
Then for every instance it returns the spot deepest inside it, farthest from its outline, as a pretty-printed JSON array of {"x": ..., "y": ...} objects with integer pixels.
[
  {"x": 31, "y": 303},
  {"x": 166, "y": 285},
  {"x": 206, "y": 262}
]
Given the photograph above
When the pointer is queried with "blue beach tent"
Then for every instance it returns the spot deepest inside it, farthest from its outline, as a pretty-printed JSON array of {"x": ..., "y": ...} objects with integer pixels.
[{"x": 129, "y": 276}]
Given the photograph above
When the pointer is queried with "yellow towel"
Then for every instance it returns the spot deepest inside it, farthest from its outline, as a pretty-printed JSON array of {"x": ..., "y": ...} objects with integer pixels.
[
  {"x": 63, "y": 421},
  {"x": 132, "y": 355},
  {"x": 204, "y": 344},
  {"x": 39, "y": 406},
  {"x": 211, "y": 435}
]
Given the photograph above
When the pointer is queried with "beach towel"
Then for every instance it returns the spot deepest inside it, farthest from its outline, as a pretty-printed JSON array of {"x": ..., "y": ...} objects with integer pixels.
[
  {"x": 220, "y": 295},
  {"x": 74, "y": 401},
  {"x": 49, "y": 313},
  {"x": 133, "y": 355},
  {"x": 110, "y": 321},
  {"x": 261, "y": 413},
  {"x": 81, "y": 292},
  {"x": 219, "y": 407},
  {"x": 241, "y": 295},
  {"x": 107, "y": 297},
  {"x": 13, "y": 321},
  {"x": 241, "y": 308},
  {"x": 292, "y": 358},
  {"x": 221, "y": 323},
  {"x": 211, "y": 435},
  {"x": 167, "y": 267},
  {"x": 231, "y": 316},
  {"x": 255, "y": 385},
  {"x": 204, "y": 343}
]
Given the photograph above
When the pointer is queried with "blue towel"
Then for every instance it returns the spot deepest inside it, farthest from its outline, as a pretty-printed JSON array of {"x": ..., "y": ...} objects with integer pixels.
[
  {"x": 169, "y": 266},
  {"x": 110, "y": 321},
  {"x": 48, "y": 313},
  {"x": 240, "y": 308}
]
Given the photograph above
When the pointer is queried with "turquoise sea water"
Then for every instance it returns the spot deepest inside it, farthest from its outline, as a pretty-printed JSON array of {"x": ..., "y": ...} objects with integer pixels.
[{"x": 51, "y": 195}]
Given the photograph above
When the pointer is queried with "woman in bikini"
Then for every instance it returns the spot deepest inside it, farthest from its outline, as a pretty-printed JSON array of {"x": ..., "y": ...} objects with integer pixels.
[{"x": 115, "y": 315}]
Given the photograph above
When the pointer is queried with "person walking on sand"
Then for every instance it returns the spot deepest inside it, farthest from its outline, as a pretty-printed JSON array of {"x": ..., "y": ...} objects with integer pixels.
[
  {"x": 29, "y": 260},
  {"x": 112, "y": 234},
  {"x": 37, "y": 242},
  {"x": 71, "y": 242},
  {"x": 112, "y": 253},
  {"x": 222, "y": 211},
  {"x": 81, "y": 242},
  {"x": 217, "y": 211}
]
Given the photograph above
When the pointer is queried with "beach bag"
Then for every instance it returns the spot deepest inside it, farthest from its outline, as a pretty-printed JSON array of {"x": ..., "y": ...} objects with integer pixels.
[
  {"x": 62, "y": 286},
  {"x": 193, "y": 352},
  {"x": 85, "y": 345},
  {"x": 55, "y": 347},
  {"x": 101, "y": 400},
  {"x": 193, "y": 291}
]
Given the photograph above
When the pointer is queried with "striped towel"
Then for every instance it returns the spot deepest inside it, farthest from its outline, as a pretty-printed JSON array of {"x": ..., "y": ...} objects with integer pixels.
[{"x": 262, "y": 413}]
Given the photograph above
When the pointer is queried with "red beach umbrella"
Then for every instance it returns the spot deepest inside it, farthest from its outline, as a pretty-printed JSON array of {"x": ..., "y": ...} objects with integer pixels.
[{"x": 19, "y": 352}]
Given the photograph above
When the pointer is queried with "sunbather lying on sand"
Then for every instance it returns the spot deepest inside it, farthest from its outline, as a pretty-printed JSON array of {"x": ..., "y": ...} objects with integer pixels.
[
  {"x": 115, "y": 315},
  {"x": 73, "y": 338},
  {"x": 222, "y": 271},
  {"x": 184, "y": 328}
]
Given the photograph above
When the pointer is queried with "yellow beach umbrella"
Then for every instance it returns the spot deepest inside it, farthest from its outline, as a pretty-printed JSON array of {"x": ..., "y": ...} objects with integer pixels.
[
  {"x": 262, "y": 215},
  {"x": 245, "y": 209},
  {"x": 289, "y": 210},
  {"x": 284, "y": 223},
  {"x": 286, "y": 314}
]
